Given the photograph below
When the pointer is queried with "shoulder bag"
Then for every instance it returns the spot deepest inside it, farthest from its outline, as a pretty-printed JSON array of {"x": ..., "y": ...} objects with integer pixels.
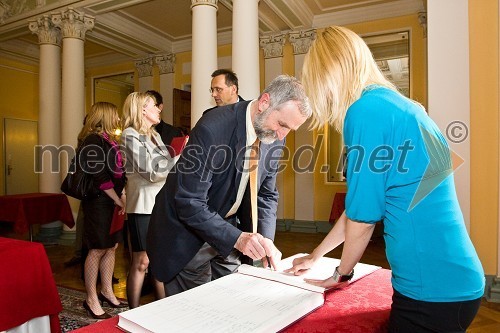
[{"x": 79, "y": 184}]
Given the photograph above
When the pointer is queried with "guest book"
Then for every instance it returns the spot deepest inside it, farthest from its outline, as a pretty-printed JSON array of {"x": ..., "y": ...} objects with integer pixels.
[{"x": 252, "y": 300}]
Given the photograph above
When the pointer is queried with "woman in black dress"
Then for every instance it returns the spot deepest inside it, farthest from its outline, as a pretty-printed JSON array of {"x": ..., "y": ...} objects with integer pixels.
[{"x": 100, "y": 156}]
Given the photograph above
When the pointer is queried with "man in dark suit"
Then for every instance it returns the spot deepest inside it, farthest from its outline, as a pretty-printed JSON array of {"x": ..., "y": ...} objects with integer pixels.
[
  {"x": 224, "y": 88},
  {"x": 166, "y": 131},
  {"x": 193, "y": 223}
]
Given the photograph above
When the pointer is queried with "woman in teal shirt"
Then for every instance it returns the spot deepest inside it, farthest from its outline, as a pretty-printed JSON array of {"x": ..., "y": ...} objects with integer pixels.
[{"x": 399, "y": 171}]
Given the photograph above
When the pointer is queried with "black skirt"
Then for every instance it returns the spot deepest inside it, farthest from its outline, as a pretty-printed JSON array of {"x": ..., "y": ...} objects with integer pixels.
[{"x": 98, "y": 214}]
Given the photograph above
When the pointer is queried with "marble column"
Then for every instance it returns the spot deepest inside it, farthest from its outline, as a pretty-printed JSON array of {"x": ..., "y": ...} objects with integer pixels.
[
  {"x": 273, "y": 66},
  {"x": 166, "y": 65},
  {"x": 204, "y": 55},
  {"x": 145, "y": 73},
  {"x": 245, "y": 47},
  {"x": 49, "y": 126},
  {"x": 304, "y": 143},
  {"x": 73, "y": 25}
]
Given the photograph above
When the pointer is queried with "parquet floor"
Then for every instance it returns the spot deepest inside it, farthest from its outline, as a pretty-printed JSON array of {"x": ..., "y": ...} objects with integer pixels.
[{"x": 487, "y": 320}]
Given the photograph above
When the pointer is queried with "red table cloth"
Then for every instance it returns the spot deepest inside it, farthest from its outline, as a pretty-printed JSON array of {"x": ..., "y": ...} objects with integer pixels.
[
  {"x": 27, "y": 287},
  {"x": 35, "y": 208},
  {"x": 362, "y": 307},
  {"x": 338, "y": 207}
]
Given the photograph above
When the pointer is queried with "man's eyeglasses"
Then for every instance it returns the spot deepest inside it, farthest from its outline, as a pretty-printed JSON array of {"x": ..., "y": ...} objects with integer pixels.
[{"x": 216, "y": 89}]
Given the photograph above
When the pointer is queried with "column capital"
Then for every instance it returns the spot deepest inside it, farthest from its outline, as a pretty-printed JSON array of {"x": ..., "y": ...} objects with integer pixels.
[
  {"x": 212, "y": 3},
  {"x": 272, "y": 45},
  {"x": 73, "y": 24},
  {"x": 47, "y": 32},
  {"x": 144, "y": 67},
  {"x": 301, "y": 40},
  {"x": 166, "y": 63}
]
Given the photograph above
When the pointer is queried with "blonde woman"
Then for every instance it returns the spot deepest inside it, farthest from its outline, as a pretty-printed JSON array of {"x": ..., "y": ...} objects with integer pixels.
[
  {"x": 399, "y": 171},
  {"x": 101, "y": 158},
  {"x": 148, "y": 164}
]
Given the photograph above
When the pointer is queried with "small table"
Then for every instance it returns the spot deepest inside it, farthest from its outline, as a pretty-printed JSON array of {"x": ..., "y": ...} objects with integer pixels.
[
  {"x": 27, "y": 287},
  {"x": 24, "y": 210},
  {"x": 362, "y": 307}
]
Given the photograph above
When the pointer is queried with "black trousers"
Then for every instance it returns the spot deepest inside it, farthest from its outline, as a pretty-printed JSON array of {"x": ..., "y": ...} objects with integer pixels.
[{"x": 409, "y": 315}]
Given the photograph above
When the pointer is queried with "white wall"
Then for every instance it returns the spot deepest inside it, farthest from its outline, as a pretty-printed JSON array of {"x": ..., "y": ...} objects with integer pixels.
[{"x": 448, "y": 75}]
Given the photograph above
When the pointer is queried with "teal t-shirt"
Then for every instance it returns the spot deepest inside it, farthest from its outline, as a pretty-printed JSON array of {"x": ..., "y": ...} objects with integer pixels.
[{"x": 399, "y": 171}]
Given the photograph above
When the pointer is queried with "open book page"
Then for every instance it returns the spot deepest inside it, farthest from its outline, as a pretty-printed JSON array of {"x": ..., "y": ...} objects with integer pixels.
[
  {"x": 323, "y": 269},
  {"x": 234, "y": 303}
]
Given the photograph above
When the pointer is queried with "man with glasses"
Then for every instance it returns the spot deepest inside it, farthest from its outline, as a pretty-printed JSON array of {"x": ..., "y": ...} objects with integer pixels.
[{"x": 224, "y": 88}]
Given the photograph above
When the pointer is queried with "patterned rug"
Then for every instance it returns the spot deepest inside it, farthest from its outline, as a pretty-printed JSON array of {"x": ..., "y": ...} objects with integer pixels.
[{"x": 73, "y": 315}]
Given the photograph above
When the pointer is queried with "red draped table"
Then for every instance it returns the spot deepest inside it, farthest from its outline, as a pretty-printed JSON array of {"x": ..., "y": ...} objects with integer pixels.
[
  {"x": 27, "y": 287},
  {"x": 338, "y": 207},
  {"x": 25, "y": 210},
  {"x": 362, "y": 307}
]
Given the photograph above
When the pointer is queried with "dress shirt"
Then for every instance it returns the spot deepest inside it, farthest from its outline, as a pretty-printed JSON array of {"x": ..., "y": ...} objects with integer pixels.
[{"x": 251, "y": 137}]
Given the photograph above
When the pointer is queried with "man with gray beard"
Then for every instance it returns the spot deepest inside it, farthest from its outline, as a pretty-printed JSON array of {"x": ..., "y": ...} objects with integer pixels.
[{"x": 194, "y": 236}]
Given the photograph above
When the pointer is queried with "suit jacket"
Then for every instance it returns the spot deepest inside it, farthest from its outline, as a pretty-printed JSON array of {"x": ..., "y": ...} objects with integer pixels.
[
  {"x": 190, "y": 208},
  {"x": 240, "y": 99},
  {"x": 147, "y": 166},
  {"x": 167, "y": 132}
]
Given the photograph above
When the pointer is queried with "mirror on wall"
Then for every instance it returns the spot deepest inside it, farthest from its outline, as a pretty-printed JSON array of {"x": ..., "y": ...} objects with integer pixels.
[
  {"x": 114, "y": 89},
  {"x": 391, "y": 52}
]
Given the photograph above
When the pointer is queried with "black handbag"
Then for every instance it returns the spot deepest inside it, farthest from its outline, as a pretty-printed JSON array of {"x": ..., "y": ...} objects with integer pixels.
[{"x": 79, "y": 184}]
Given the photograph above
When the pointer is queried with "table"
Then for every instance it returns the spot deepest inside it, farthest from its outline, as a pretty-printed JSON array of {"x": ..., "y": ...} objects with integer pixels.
[
  {"x": 27, "y": 287},
  {"x": 24, "y": 210},
  {"x": 338, "y": 207},
  {"x": 362, "y": 307}
]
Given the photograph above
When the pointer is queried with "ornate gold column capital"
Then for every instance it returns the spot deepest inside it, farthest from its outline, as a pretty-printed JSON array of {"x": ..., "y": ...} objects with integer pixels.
[
  {"x": 73, "y": 24},
  {"x": 47, "y": 32},
  {"x": 272, "y": 45},
  {"x": 166, "y": 63},
  {"x": 301, "y": 40},
  {"x": 144, "y": 66}
]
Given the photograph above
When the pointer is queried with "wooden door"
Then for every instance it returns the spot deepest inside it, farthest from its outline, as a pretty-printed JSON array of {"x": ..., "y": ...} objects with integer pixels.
[
  {"x": 21, "y": 136},
  {"x": 182, "y": 109}
]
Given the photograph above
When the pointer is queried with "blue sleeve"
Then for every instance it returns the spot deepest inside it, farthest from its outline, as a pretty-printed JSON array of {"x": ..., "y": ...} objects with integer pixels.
[{"x": 368, "y": 159}]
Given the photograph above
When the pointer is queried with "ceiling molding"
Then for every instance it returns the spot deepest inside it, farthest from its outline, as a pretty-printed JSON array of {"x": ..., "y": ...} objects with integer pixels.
[
  {"x": 106, "y": 60},
  {"x": 108, "y": 41},
  {"x": 21, "y": 19},
  {"x": 369, "y": 13},
  {"x": 105, "y": 6},
  {"x": 125, "y": 37},
  {"x": 281, "y": 15},
  {"x": 20, "y": 51},
  {"x": 268, "y": 22},
  {"x": 227, "y": 3},
  {"x": 302, "y": 11},
  {"x": 141, "y": 38},
  {"x": 223, "y": 38},
  {"x": 349, "y": 5}
]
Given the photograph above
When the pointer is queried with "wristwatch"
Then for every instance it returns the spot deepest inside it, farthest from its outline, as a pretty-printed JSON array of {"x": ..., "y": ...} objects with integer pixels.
[{"x": 337, "y": 277}]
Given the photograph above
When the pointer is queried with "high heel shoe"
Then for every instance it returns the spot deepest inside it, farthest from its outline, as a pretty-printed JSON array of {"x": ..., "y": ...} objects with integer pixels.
[
  {"x": 105, "y": 315},
  {"x": 103, "y": 299}
]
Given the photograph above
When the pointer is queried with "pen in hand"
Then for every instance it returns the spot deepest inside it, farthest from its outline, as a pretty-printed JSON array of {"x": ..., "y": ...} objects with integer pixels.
[{"x": 269, "y": 263}]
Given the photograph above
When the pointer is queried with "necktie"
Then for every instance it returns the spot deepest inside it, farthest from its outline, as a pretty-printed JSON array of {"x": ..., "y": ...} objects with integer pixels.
[{"x": 253, "y": 169}]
